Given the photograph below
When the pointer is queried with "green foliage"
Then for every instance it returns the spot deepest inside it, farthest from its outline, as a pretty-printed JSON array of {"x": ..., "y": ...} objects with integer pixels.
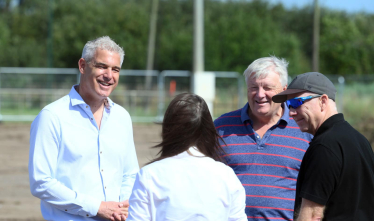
[
  {"x": 236, "y": 33},
  {"x": 347, "y": 43}
]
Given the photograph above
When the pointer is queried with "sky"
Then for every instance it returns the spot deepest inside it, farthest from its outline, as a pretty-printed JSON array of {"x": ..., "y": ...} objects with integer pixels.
[{"x": 350, "y": 6}]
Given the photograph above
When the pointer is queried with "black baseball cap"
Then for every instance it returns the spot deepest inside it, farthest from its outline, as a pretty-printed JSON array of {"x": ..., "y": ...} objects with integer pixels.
[{"x": 308, "y": 82}]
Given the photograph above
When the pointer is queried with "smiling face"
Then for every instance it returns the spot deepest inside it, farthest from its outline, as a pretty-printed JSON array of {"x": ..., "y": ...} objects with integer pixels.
[
  {"x": 259, "y": 93},
  {"x": 308, "y": 116},
  {"x": 100, "y": 76}
]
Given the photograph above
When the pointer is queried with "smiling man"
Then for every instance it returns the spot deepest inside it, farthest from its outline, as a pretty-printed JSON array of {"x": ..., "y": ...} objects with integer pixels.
[
  {"x": 264, "y": 146},
  {"x": 82, "y": 162},
  {"x": 336, "y": 179}
]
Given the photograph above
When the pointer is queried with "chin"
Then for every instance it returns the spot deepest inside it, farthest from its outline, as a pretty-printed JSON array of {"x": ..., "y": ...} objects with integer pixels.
[{"x": 261, "y": 110}]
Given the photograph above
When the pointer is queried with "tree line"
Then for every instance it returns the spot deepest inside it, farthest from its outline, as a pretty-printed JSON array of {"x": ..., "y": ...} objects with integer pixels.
[{"x": 43, "y": 33}]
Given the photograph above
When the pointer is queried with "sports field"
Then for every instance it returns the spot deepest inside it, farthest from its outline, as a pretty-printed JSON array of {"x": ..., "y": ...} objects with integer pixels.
[{"x": 16, "y": 201}]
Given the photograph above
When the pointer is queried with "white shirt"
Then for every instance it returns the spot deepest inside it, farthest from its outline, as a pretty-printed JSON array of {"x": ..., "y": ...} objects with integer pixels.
[
  {"x": 186, "y": 187},
  {"x": 74, "y": 165}
]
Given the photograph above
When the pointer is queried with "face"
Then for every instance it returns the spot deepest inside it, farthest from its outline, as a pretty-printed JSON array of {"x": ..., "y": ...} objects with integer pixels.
[
  {"x": 308, "y": 115},
  {"x": 100, "y": 76},
  {"x": 259, "y": 93}
]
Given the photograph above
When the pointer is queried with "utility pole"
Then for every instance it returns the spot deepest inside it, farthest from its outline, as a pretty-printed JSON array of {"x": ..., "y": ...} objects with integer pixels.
[
  {"x": 316, "y": 24},
  {"x": 50, "y": 34},
  {"x": 50, "y": 42},
  {"x": 151, "y": 43},
  {"x": 151, "y": 51}
]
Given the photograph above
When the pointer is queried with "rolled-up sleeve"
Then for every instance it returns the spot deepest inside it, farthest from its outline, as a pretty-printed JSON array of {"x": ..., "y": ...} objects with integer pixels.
[{"x": 45, "y": 138}]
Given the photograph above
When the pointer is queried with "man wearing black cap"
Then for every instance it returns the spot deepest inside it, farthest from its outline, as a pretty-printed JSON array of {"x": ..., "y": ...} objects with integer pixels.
[{"x": 336, "y": 178}]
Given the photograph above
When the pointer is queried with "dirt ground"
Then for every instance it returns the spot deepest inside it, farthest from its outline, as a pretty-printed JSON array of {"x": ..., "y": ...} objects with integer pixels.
[{"x": 16, "y": 201}]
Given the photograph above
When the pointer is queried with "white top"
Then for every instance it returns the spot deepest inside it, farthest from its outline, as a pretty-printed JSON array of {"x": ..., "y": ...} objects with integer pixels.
[{"x": 186, "y": 187}]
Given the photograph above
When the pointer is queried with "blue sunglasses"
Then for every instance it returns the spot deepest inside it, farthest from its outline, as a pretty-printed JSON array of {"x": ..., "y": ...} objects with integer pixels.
[{"x": 298, "y": 101}]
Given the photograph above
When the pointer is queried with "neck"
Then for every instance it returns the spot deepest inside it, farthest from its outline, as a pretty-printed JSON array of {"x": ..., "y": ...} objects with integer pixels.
[
  {"x": 263, "y": 120},
  {"x": 328, "y": 113},
  {"x": 94, "y": 103}
]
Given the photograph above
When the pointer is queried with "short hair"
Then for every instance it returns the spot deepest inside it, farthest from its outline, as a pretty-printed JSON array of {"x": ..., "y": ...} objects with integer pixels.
[
  {"x": 262, "y": 66},
  {"x": 104, "y": 43},
  {"x": 188, "y": 122}
]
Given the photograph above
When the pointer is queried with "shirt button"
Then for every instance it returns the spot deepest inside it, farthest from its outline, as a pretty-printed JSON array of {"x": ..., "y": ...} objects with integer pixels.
[
  {"x": 101, "y": 152},
  {"x": 86, "y": 106},
  {"x": 105, "y": 187},
  {"x": 102, "y": 170},
  {"x": 91, "y": 118},
  {"x": 257, "y": 136},
  {"x": 87, "y": 215},
  {"x": 66, "y": 210}
]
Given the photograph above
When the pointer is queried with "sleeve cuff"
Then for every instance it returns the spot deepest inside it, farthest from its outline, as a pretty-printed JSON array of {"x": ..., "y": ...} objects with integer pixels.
[
  {"x": 91, "y": 207},
  {"x": 313, "y": 198}
]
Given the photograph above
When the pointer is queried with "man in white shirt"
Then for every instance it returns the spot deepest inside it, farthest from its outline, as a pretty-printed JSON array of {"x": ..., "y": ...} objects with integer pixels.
[{"x": 82, "y": 162}]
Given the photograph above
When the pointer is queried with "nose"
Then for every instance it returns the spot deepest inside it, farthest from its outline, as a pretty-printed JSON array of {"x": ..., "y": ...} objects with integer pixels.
[
  {"x": 109, "y": 73},
  {"x": 292, "y": 112},
  {"x": 260, "y": 92}
]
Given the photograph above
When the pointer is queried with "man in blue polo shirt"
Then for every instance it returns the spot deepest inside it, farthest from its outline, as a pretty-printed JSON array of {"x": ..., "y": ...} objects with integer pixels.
[{"x": 264, "y": 145}]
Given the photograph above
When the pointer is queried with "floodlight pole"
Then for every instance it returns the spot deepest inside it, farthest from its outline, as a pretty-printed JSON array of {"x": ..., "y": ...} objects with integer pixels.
[
  {"x": 316, "y": 24},
  {"x": 202, "y": 83}
]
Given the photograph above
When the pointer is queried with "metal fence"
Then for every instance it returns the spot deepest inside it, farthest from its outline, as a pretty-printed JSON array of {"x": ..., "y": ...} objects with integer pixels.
[{"x": 25, "y": 91}]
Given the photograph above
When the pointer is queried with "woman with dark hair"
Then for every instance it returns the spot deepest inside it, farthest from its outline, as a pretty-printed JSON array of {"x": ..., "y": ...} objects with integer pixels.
[{"x": 187, "y": 181}]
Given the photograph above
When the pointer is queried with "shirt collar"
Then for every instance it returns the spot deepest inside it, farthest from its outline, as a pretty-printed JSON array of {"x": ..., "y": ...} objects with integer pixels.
[
  {"x": 244, "y": 113},
  {"x": 285, "y": 117},
  {"x": 76, "y": 99},
  {"x": 191, "y": 152},
  {"x": 195, "y": 152}
]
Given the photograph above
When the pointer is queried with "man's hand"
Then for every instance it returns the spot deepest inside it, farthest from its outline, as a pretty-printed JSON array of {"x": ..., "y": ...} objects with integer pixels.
[
  {"x": 107, "y": 209},
  {"x": 121, "y": 217}
]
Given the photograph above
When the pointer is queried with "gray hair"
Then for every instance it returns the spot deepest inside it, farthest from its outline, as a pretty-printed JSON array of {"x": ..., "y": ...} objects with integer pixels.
[
  {"x": 262, "y": 66},
  {"x": 104, "y": 43}
]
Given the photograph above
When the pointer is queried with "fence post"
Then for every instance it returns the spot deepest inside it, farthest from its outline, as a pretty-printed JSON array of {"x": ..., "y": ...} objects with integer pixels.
[
  {"x": 78, "y": 76},
  {"x": 1, "y": 117},
  {"x": 240, "y": 91},
  {"x": 161, "y": 97},
  {"x": 341, "y": 93}
]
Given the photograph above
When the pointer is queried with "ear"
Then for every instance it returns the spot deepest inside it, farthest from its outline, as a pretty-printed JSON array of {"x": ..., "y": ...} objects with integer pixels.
[
  {"x": 324, "y": 100},
  {"x": 82, "y": 65},
  {"x": 285, "y": 87}
]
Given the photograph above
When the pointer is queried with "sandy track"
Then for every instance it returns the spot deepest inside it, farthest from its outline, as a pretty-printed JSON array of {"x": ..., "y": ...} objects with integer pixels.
[{"x": 16, "y": 201}]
